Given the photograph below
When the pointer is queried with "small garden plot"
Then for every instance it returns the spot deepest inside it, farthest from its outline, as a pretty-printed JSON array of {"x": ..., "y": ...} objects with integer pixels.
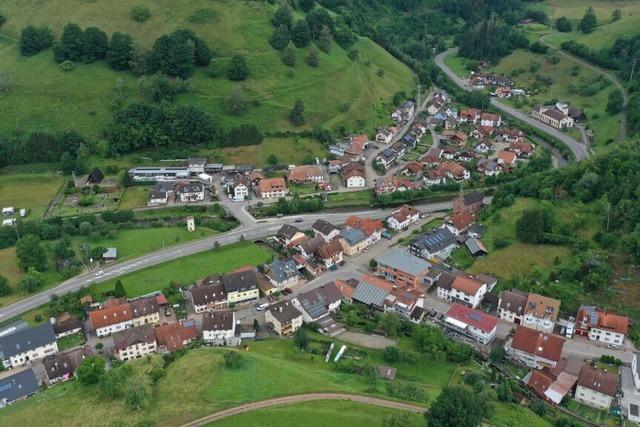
[{"x": 84, "y": 202}]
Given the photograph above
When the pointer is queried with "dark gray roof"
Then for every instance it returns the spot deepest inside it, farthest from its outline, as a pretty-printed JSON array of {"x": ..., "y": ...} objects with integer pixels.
[
  {"x": 353, "y": 236},
  {"x": 316, "y": 302},
  {"x": 284, "y": 311},
  {"x": 324, "y": 227},
  {"x": 514, "y": 301},
  {"x": 475, "y": 246},
  {"x": 240, "y": 281},
  {"x": 127, "y": 337},
  {"x": 26, "y": 339},
  {"x": 217, "y": 321},
  {"x": 288, "y": 231},
  {"x": 435, "y": 240},
  {"x": 403, "y": 261},
  {"x": 208, "y": 294},
  {"x": 67, "y": 325},
  {"x": 446, "y": 280},
  {"x": 57, "y": 366},
  {"x": 144, "y": 306},
  {"x": 369, "y": 294},
  {"x": 473, "y": 197},
  {"x": 281, "y": 270},
  {"x": 312, "y": 245},
  {"x": 19, "y": 385}
]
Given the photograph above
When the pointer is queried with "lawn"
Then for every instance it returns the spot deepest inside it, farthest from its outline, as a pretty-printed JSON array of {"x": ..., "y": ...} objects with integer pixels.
[
  {"x": 302, "y": 189},
  {"x": 70, "y": 341},
  {"x": 458, "y": 65},
  {"x": 316, "y": 414},
  {"x": 339, "y": 92},
  {"x": 512, "y": 414},
  {"x": 287, "y": 150},
  {"x": 570, "y": 82},
  {"x": 349, "y": 198},
  {"x": 33, "y": 191},
  {"x": 191, "y": 268},
  {"x": 135, "y": 196}
]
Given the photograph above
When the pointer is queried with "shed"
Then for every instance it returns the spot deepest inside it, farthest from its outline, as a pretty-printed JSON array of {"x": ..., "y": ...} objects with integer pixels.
[
  {"x": 95, "y": 177},
  {"x": 110, "y": 255}
]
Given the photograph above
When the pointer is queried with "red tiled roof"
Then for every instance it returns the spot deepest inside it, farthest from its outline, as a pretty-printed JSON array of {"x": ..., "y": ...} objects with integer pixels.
[
  {"x": 174, "y": 334},
  {"x": 468, "y": 285},
  {"x": 539, "y": 382},
  {"x": 272, "y": 184},
  {"x": 405, "y": 211},
  {"x": 414, "y": 167},
  {"x": 367, "y": 225},
  {"x": 377, "y": 282},
  {"x": 471, "y": 317},
  {"x": 304, "y": 173},
  {"x": 538, "y": 343},
  {"x": 598, "y": 380},
  {"x": 462, "y": 220},
  {"x": 110, "y": 316},
  {"x": 507, "y": 156}
]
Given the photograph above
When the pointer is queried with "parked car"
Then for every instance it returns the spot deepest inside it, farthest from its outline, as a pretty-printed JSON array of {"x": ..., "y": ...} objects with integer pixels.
[
  {"x": 612, "y": 346},
  {"x": 287, "y": 291},
  {"x": 298, "y": 220}
]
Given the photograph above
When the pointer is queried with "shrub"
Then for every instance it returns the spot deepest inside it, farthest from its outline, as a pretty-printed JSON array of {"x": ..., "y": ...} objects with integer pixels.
[
  {"x": 67, "y": 65},
  {"x": 233, "y": 360},
  {"x": 140, "y": 13}
]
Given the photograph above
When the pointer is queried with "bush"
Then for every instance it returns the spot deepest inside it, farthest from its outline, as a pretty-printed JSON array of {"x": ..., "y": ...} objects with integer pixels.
[
  {"x": 563, "y": 25},
  {"x": 233, "y": 360},
  {"x": 140, "y": 13},
  {"x": 67, "y": 65},
  {"x": 238, "y": 69},
  {"x": 391, "y": 354},
  {"x": 34, "y": 39}
]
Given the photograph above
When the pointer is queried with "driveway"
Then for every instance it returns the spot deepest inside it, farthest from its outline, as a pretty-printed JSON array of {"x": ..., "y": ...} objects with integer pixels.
[{"x": 366, "y": 340}]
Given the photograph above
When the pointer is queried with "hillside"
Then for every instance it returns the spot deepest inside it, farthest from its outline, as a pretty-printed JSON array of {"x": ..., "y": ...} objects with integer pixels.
[{"x": 337, "y": 93}]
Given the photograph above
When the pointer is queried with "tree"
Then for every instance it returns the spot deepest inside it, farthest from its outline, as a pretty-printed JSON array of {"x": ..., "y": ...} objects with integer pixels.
[
  {"x": 233, "y": 360},
  {"x": 391, "y": 354},
  {"x": 140, "y": 13},
  {"x": 533, "y": 224},
  {"x": 300, "y": 34},
  {"x": 296, "y": 116},
  {"x": 497, "y": 354},
  {"x": 272, "y": 159},
  {"x": 91, "y": 370},
  {"x": 119, "y": 291},
  {"x": 313, "y": 60},
  {"x": 256, "y": 325},
  {"x": 306, "y": 5},
  {"x": 300, "y": 339},
  {"x": 614, "y": 102},
  {"x": 280, "y": 38},
  {"x": 30, "y": 253},
  {"x": 69, "y": 47},
  {"x": 242, "y": 135},
  {"x": 288, "y": 56},
  {"x": 236, "y": 104},
  {"x": 373, "y": 264},
  {"x": 238, "y": 69},
  {"x": 616, "y": 15},
  {"x": 458, "y": 407},
  {"x": 589, "y": 22},
  {"x": 34, "y": 39},
  {"x": 94, "y": 44},
  {"x": 283, "y": 16},
  {"x": 120, "y": 52},
  {"x": 31, "y": 281},
  {"x": 505, "y": 392},
  {"x": 174, "y": 56},
  {"x": 324, "y": 39},
  {"x": 317, "y": 19},
  {"x": 5, "y": 287},
  {"x": 563, "y": 25}
]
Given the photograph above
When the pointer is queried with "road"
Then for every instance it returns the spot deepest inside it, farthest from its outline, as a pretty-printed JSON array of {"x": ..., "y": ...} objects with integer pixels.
[
  {"x": 250, "y": 228},
  {"x": 300, "y": 398},
  {"x": 579, "y": 150},
  {"x": 610, "y": 76}
]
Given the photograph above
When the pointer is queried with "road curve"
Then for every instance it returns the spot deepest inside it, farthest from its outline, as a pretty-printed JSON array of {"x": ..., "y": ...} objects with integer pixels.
[
  {"x": 580, "y": 151},
  {"x": 611, "y": 77},
  {"x": 300, "y": 398}
]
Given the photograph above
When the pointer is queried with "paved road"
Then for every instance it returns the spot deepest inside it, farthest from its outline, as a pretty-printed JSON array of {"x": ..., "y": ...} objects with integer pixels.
[
  {"x": 250, "y": 228},
  {"x": 610, "y": 76},
  {"x": 579, "y": 149},
  {"x": 300, "y": 398}
]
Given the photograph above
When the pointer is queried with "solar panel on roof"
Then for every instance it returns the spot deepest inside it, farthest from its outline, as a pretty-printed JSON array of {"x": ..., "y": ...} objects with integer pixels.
[{"x": 475, "y": 316}]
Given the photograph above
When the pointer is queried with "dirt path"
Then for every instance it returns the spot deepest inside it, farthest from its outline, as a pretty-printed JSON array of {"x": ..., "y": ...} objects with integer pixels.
[{"x": 299, "y": 398}]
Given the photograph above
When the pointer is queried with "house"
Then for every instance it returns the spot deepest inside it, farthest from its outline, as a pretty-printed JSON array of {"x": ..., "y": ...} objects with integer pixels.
[
  {"x": 454, "y": 171},
  {"x": 490, "y": 120},
  {"x": 95, "y": 177},
  {"x": 600, "y": 325},
  {"x": 17, "y": 386},
  {"x": 432, "y": 157},
  {"x": 290, "y": 235},
  {"x": 489, "y": 167},
  {"x": 255, "y": 177},
  {"x": 66, "y": 325},
  {"x": 27, "y": 345},
  {"x": 465, "y": 290},
  {"x": 318, "y": 303},
  {"x": 208, "y": 296},
  {"x": 404, "y": 112},
  {"x": 439, "y": 242},
  {"x": 553, "y": 385},
  {"x": 330, "y": 253},
  {"x": 353, "y": 175},
  {"x": 110, "y": 255},
  {"x": 522, "y": 149},
  {"x": 372, "y": 292},
  {"x": 460, "y": 222},
  {"x": 273, "y": 188},
  {"x": 151, "y": 174},
  {"x": 60, "y": 367},
  {"x": 384, "y": 136},
  {"x": 540, "y": 312},
  {"x": 511, "y": 305},
  {"x": 356, "y": 145},
  {"x": 219, "y": 327},
  {"x": 308, "y": 248},
  {"x": 325, "y": 229},
  {"x": 455, "y": 137},
  {"x": 353, "y": 241},
  {"x": 507, "y": 158},
  {"x": 144, "y": 310},
  {"x": 402, "y": 268},
  {"x": 511, "y": 135},
  {"x": 469, "y": 203},
  {"x": 160, "y": 193},
  {"x": 304, "y": 174},
  {"x": 553, "y": 116},
  {"x": 470, "y": 115},
  {"x": 241, "y": 286},
  {"x": 535, "y": 349},
  {"x": 135, "y": 342},
  {"x": 191, "y": 191},
  {"x": 413, "y": 169},
  {"x": 284, "y": 318},
  {"x": 387, "y": 157},
  {"x": 371, "y": 227},
  {"x": 596, "y": 388},
  {"x": 196, "y": 165},
  {"x": 403, "y": 301},
  {"x": 283, "y": 273},
  {"x": 484, "y": 146},
  {"x": 475, "y": 324},
  {"x": 176, "y": 335},
  {"x": 403, "y": 217},
  {"x": 240, "y": 188},
  {"x": 346, "y": 288},
  {"x": 391, "y": 184}
]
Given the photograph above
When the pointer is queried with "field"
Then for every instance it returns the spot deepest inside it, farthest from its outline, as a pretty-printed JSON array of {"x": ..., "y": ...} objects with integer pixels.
[
  {"x": 580, "y": 86},
  {"x": 287, "y": 150},
  {"x": 349, "y": 198},
  {"x": 607, "y": 30},
  {"x": 339, "y": 92},
  {"x": 136, "y": 196},
  {"x": 31, "y": 191},
  {"x": 70, "y": 341},
  {"x": 191, "y": 268},
  {"x": 315, "y": 414}
]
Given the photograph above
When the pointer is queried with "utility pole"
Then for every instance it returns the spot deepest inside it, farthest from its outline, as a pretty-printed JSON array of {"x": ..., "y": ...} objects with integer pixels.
[{"x": 633, "y": 68}]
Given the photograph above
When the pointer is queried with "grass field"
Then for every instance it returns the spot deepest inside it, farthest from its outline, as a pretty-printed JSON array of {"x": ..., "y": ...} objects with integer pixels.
[
  {"x": 191, "y": 268},
  {"x": 70, "y": 341},
  {"x": 31, "y": 191},
  {"x": 349, "y": 198},
  {"x": 338, "y": 92},
  {"x": 135, "y": 197},
  {"x": 287, "y": 150},
  {"x": 587, "y": 90},
  {"x": 316, "y": 414}
]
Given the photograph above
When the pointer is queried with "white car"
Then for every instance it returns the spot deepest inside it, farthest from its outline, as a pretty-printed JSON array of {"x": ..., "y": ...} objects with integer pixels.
[{"x": 100, "y": 273}]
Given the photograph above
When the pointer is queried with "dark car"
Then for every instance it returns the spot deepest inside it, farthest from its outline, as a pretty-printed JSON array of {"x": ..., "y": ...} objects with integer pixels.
[
  {"x": 298, "y": 220},
  {"x": 287, "y": 291}
]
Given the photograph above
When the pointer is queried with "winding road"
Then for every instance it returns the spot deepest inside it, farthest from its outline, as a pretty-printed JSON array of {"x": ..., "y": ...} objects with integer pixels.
[
  {"x": 579, "y": 150},
  {"x": 610, "y": 76},
  {"x": 301, "y": 398}
]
